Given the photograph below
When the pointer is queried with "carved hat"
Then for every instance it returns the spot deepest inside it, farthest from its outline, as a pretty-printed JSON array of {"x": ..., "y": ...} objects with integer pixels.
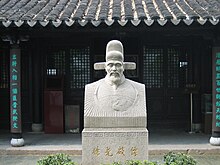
[{"x": 114, "y": 51}]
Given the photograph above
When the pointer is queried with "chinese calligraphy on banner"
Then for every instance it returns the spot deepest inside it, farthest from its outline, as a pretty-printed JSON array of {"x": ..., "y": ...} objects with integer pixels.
[
  {"x": 216, "y": 91},
  {"x": 15, "y": 95}
]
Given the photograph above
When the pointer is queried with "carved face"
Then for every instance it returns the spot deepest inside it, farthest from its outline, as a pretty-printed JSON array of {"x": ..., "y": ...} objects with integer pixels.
[{"x": 114, "y": 69}]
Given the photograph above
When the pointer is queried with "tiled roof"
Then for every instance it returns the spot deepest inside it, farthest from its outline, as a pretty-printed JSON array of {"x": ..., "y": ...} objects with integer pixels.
[{"x": 95, "y": 12}]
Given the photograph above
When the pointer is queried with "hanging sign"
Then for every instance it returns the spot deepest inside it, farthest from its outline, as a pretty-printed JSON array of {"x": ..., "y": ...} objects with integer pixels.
[
  {"x": 216, "y": 92},
  {"x": 15, "y": 90}
]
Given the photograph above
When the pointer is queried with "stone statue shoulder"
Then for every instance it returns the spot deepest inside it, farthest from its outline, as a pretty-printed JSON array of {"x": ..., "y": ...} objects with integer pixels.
[
  {"x": 89, "y": 102},
  {"x": 102, "y": 100}
]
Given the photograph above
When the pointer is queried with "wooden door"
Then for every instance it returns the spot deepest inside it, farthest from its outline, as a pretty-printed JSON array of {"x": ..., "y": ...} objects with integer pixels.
[{"x": 165, "y": 73}]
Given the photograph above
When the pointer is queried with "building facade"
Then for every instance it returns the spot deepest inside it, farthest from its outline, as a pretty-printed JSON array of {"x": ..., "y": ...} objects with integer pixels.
[{"x": 48, "y": 49}]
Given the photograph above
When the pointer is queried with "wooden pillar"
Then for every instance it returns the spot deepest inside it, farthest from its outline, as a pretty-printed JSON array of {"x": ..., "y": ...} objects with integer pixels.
[
  {"x": 37, "y": 92},
  {"x": 197, "y": 114},
  {"x": 215, "y": 139},
  {"x": 15, "y": 96}
]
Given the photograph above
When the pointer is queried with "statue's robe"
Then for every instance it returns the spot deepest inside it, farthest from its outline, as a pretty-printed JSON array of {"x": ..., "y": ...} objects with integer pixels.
[{"x": 107, "y": 106}]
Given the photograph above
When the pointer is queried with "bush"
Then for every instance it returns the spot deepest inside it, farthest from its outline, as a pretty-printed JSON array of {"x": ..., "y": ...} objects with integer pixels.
[
  {"x": 57, "y": 159},
  {"x": 134, "y": 162},
  {"x": 172, "y": 158},
  {"x": 114, "y": 163},
  {"x": 137, "y": 162}
]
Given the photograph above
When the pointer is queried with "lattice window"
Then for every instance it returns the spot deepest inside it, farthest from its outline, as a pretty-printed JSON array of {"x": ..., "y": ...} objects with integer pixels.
[
  {"x": 74, "y": 62},
  {"x": 177, "y": 68},
  {"x": 56, "y": 63},
  {"x": 153, "y": 67},
  {"x": 173, "y": 68},
  {"x": 166, "y": 67},
  {"x": 3, "y": 70},
  {"x": 183, "y": 69},
  {"x": 79, "y": 67}
]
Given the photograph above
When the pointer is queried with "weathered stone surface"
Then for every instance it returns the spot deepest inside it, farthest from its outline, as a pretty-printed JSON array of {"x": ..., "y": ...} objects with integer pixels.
[
  {"x": 109, "y": 144},
  {"x": 115, "y": 114},
  {"x": 115, "y": 122},
  {"x": 107, "y": 107},
  {"x": 17, "y": 142},
  {"x": 127, "y": 66}
]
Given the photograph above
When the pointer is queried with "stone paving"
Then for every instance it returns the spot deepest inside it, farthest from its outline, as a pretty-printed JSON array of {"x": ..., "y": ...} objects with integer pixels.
[
  {"x": 32, "y": 159},
  {"x": 160, "y": 142}
]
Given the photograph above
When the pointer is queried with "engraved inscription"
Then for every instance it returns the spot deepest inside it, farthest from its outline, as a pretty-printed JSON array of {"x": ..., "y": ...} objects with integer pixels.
[
  {"x": 108, "y": 151},
  {"x": 131, "y": 134},
  {"x": 87, "y": 134},
  {"x": 96, "y": 151},
  {"x": 121, "y": 134},
  {"x": 112, "y": 134},
  {"x": 134, "y": 151},
  {"x": 109, "y": 134},
  {"x": 141, "y": 134},
  {"x": 121, "y": 151},
  {"x": 98, "y": 134}
]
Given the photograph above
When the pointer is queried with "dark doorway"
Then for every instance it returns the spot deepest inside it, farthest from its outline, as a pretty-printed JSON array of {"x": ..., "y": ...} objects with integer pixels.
[
  {"x": 4, "y": 90},
  {"x": 72, "y": 63},
  {"x": 165, "y": 74}
]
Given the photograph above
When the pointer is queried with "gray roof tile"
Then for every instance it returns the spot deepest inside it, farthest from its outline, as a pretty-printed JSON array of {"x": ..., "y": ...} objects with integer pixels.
[
  {"x": 140, "y": 9},
  {"x": 104, "y": 9},
  {"x": 108, "y": 11},
  {"x": 69, "y": 9}
]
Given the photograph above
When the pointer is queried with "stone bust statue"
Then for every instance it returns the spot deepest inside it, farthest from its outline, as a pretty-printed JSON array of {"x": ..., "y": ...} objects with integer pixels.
[{"x": 115, "y": 101}]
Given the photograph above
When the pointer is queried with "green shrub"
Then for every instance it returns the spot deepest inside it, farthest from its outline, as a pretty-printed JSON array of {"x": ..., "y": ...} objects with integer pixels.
[
  {"x": 137, "y": 162},
  {"x": 114, "y": 163},
  {"x": 57, "y": 159},
  {"x": 134, "y": 162},
  {"x": 172, "y": 158}
]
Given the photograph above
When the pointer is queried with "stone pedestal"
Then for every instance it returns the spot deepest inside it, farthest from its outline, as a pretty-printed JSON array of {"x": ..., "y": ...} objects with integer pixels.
[
  {"x": 37, "y": 127},
  {"x": 108, "y": 145},
  {"x": 215, "y": 141},
  {"x": 17, "y": 142}
]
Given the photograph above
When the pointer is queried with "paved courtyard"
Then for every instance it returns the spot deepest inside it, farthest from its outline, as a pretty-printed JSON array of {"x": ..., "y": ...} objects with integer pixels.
[
  {"x": 38, "y": 145},
  {"x": 32, "y": 159}
]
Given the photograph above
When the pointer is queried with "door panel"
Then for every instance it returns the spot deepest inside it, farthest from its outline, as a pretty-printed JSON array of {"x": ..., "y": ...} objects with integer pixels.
[
  {"x": 73, "y": 64},
  {"x": 4, "y": 90},
  {"x": 165, "y": 76}
]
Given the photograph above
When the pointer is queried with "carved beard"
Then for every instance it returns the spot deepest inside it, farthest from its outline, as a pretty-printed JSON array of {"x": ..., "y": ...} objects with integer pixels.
[{"x": 115, "y": 77}]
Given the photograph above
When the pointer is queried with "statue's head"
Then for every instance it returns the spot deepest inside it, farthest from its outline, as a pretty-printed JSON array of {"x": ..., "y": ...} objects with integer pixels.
[{"x": 114, "y": 61}]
